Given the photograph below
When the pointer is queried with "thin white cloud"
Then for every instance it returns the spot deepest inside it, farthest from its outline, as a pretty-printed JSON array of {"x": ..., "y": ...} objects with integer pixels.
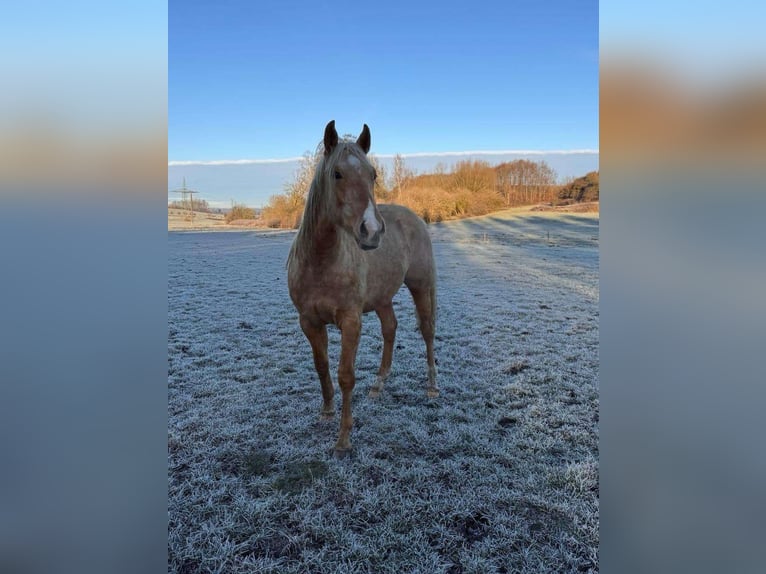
[
  {"x": 391, "y": 155},
  {"x": 233, "y": 161},
  {"x": 491, "y": 152}
]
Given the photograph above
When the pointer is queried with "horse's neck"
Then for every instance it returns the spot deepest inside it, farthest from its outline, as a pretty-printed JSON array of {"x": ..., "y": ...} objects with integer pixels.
[
  {"x": 324, "y": 247},
  {"x": 323, "y": 244}
]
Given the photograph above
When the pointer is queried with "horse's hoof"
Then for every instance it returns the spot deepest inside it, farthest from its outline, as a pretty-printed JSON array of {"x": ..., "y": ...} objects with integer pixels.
[
  {"x": 432, "y": 392},
  {"x": 327, "y": 411},
  {"x": 374, "y": 392},
  {"x": 341, "y": 453}
]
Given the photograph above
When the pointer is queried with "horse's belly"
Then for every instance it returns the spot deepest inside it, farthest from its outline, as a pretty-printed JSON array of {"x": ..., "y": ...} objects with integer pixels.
[
  {"x": 381, "y": 295},
  {"x": 372, "y": 305}
]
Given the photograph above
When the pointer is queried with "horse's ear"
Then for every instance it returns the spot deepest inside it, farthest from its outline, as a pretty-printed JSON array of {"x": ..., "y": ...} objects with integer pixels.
[
  {"x": 330, "y": 138},
  {"x": 364, "y": 139}
]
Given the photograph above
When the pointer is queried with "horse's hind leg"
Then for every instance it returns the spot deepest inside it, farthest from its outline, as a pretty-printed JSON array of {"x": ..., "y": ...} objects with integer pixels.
[
  {"x": 425, "y": 305},
  {"x": 388, "y": 329},
  {"x": 317, "y": 336}
]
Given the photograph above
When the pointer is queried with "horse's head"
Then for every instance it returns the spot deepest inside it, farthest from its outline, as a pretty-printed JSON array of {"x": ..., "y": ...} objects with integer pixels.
[{"x": 351, "y": 175}]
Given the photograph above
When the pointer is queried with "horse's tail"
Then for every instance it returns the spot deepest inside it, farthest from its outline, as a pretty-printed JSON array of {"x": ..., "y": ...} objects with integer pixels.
[{"x": 433, "y": 293}]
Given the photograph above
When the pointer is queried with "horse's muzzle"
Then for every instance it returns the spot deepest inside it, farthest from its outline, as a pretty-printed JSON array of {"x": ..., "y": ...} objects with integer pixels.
[
  {"x": 367, "y": 241},
  {"x": 370, "y": 243}
]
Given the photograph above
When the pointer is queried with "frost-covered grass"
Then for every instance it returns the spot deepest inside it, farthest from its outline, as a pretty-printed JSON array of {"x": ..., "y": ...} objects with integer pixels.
[{"x": 499, "y": 474}]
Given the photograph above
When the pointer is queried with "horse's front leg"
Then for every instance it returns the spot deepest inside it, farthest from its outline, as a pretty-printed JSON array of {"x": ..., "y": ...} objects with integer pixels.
[
  {"x": 351, "y": 328},
  {"x": 317, "y": 336}
]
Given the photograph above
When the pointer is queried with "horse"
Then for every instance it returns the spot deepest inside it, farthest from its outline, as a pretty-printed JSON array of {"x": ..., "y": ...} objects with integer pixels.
[{"x": 349, "y": 257}]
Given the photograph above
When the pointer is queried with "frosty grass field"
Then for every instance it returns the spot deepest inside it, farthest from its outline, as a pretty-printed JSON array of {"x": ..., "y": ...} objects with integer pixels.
[{"x": 499, "y": 474}]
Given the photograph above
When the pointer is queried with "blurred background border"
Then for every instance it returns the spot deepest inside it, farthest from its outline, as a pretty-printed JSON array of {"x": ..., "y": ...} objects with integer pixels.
[{"x": 83, "y": 159}]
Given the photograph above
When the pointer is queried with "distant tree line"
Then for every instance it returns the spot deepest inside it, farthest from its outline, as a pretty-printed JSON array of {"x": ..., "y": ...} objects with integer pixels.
[
  {"x": 469, "y": 188},
  {"x": 197, "y": 204}
]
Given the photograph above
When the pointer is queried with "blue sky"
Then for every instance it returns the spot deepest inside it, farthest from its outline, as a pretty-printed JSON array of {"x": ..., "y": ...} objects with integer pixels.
[{"x": 260, "y": 80}]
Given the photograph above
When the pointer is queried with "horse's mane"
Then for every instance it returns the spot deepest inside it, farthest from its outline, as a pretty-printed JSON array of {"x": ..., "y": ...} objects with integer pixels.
[{"x": 320, "y": 202}]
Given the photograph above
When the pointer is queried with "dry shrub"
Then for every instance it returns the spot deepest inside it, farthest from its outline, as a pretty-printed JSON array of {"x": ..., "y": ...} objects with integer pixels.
[
  {"x": 436, "y": 204},
  {"x": 481, "y": 201},
  {"x": 429, "y": 203},
  {"x": 469, "y": 190},
  {"x": 239, "y": 212},
  {"x": 283, "y": 211}
]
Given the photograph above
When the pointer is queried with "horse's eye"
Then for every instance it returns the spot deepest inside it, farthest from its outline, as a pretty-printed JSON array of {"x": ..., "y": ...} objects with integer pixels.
[{"x": 338, "y": 175}]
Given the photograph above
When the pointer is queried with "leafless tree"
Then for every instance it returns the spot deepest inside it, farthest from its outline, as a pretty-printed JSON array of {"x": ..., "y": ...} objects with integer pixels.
[
  {"x": 382, "y": 192},
  {"x": 524, "y": 182},
  {"x": 475, "y": 176},
  {"x": 401, "y": 174}
]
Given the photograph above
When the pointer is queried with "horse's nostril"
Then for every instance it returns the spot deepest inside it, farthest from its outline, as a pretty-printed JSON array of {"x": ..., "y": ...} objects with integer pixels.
[{"x": 363, "y": 230}]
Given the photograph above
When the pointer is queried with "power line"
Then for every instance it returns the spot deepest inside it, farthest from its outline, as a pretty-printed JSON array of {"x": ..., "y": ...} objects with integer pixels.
[{"x": 187, "y": 193}]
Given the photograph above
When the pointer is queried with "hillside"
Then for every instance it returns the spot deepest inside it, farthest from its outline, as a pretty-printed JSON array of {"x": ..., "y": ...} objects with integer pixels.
[{"x": 179, "y": 220}]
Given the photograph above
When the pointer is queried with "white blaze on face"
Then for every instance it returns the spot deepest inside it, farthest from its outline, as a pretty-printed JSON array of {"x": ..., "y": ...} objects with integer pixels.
[
  {"x": 355, "y": 163},
  {"x": 369, "y": 219}
]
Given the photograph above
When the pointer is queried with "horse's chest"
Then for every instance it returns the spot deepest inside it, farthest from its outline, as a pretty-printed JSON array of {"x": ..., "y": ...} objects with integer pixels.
[{"x": 323, "y": 293}]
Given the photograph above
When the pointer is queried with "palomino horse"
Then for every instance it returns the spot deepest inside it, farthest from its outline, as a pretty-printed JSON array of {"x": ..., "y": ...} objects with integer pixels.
[{"x": 350, "y": 257}]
